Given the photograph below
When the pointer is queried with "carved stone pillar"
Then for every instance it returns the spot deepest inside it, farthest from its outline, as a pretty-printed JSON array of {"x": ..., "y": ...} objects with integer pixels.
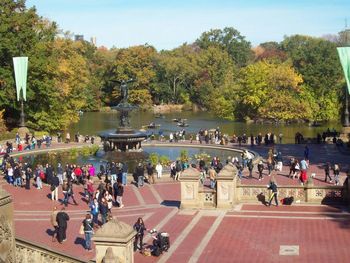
[
  {"x": 117, "y": 238},
  {"x": 226, "y": 184},
  {"x": 7, "y": 231},
  {"x": 189, "y": 181}
]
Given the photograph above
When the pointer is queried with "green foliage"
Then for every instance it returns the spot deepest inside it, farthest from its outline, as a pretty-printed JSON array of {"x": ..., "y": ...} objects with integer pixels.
[
  {"x": 3, "y": 128},
  {"x": 85, "y": 151},
  {"x": 164, "y": 160},
  {"x": 153, "y": 158},
  {"x": 317, "y": 61},
  {"x": 184, "y": 156},
  {"x": 74, "y": 153},
  {"x": 228, "y": 39},
  {"x": 40, "y": 134}
]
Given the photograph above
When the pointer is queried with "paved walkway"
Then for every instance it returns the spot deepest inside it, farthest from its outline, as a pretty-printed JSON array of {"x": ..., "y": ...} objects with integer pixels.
[{"x": 247, "y": 233}]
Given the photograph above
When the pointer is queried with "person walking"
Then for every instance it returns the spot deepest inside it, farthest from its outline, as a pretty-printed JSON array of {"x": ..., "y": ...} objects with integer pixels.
[
  {"x": 29, "y": 176},
  {"x": 260, "y": 170},
  {"x": 140, "y": 174},
  {"x": 54, "y": 188},
  {"x": 303, "y": 170},
  {"x": 159, "y": 169},
  {"x": 150, "y": 173},
  {"x": 88, "y": 231},
  {"x": 250, "y": 168},
  {"x": 60, "y": 173},
  {"x": 178, "y": 168},
  {"x": 94, "y": 209},
  {"x": 54, "y": 223},
  {"x": 273, "y": 187},
  {"x": 124, "y": 168},
  {"x": 140, "y": 228},
  {"x": 68, "y": 187},
  {"x": 120, "y": 194},
  {"x": 327, "y": 169},
  {"x": 62, "y": 218},
  {"x": 212, "y": 177},
  {"x": 336, "y": 171}
]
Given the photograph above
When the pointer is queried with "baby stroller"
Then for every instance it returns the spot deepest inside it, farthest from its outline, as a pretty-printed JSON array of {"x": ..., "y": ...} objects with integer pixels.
[{"x": 161, "y": 242}]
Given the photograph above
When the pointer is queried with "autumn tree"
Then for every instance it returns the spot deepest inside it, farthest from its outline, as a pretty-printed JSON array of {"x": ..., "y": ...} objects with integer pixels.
[
  {"x": 271, "y": 90},
  {"x": 135, "y": 62}
]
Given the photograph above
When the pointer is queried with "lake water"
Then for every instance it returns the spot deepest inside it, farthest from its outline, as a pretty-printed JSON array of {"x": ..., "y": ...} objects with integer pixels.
[
  {"x": 173, "y": 153},
  {"x": 92, "y": 123}
]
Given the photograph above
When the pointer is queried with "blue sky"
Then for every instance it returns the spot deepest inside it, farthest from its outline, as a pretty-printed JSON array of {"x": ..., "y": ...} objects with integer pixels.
[{"x": 169, "y": 23}]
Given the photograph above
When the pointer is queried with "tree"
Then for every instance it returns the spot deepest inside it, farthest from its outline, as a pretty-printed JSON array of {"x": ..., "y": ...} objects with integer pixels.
[
  {"x": 135, "y": 62},
  {"x": 177, "y": 70},
  {"x": 21, "y": 31},
  {"x": 271, "y": 90},
  {"x": 228, "y": 39},
  {"x": 317, "y": 61}
]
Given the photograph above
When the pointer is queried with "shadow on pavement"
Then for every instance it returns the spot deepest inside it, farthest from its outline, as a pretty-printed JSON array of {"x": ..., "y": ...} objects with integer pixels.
[
  {"x": 80, "y": 241},
  {"x": 172, "y": 203}
]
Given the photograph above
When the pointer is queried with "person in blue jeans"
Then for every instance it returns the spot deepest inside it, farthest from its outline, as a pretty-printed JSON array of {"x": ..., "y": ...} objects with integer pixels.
[
  {"x": 88, "y": 231},
  {"x": 94, "y": 211}
]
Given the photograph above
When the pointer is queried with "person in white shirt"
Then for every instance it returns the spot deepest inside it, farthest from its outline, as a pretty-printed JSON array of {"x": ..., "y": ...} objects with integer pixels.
[{"x": 159, "y": 169}]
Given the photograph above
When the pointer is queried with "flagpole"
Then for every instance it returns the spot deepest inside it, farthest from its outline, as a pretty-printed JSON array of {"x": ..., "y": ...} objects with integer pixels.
[
  {"x": 346, "y": 112},
  {"x": 22, "y": 123}
]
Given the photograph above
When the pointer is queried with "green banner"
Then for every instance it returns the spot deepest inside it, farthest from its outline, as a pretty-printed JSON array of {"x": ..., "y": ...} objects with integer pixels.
[
  {"x": 344, "y": 55},
  {"x": 20, "y": 65}
]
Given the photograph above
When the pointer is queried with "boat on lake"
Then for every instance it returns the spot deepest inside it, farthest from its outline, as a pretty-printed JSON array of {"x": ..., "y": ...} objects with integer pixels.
[{"x": 152, "y": 125}]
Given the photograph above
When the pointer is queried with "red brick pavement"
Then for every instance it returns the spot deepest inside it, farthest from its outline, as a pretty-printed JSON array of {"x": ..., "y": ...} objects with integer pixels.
[
  {"x": 194, "y": 237},
  {"x": 253, "y": 234}
]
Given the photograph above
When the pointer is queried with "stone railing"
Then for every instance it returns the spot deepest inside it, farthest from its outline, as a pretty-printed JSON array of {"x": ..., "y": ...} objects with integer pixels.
[
  {"x": 229, "y": 191},
  {"x": 27, "y": 252},
  {"x": 308, "y": 193}
]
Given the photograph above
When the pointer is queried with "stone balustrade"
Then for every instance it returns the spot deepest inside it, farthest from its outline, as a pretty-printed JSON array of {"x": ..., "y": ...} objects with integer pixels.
[
  {"x": 27, "y": 252},
  {"x": 308, "y": 193},
  {"x": 229, "y": 191}
]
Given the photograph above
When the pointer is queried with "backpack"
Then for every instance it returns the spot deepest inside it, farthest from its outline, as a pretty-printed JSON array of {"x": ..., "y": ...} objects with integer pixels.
[{"x": 42, "y": 175}]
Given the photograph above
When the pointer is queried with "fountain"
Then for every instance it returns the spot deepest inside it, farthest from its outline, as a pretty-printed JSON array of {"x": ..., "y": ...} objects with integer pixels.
[{"x": 124, "y": 139}]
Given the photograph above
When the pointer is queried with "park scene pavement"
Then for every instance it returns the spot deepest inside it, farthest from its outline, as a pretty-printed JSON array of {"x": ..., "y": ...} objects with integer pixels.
[{"x": 248, "y": 232}]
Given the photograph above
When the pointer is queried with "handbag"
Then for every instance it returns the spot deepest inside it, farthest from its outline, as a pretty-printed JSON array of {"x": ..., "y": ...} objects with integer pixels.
[
  {"x": 81, "y": 229},
  {"x": 52, "y": 188}
]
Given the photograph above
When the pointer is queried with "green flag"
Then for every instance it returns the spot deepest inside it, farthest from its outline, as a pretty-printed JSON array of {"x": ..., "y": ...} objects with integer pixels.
[
  {"x": 20, "y": 65},
  {"x": 344, "y": 55}
]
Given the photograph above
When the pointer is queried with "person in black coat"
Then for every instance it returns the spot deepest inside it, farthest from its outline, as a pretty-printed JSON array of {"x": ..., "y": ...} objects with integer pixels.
[
  {"x": 29, "y": 175},
  {"x": 273, "y": 188},
  {"x": 49, "y": 174},
  {"x": 140, "y": 228},
  {"x": 62, "y": 218},
  {"x": 54, "y": 188}
]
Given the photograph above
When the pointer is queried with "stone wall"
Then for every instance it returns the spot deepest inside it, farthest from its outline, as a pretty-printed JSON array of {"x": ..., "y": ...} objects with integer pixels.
[
  {"x": 229, "y": 191},
  {"x": 308, "y": 193},
  {"x": 7, "y": 231},
  {"x": 27, "y": 252}
]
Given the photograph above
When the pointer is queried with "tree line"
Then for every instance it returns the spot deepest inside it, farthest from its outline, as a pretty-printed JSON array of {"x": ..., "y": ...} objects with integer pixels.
[{"x": 299, "y": 78}]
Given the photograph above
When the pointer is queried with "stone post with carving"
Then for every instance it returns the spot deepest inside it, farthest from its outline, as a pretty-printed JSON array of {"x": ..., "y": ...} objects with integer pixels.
[
  {"x": 226, "y": 183},
  {"x": 114, "y": 242},
  {"x": 7, "y": 232},
  {"x": 189, "y": 181}
]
